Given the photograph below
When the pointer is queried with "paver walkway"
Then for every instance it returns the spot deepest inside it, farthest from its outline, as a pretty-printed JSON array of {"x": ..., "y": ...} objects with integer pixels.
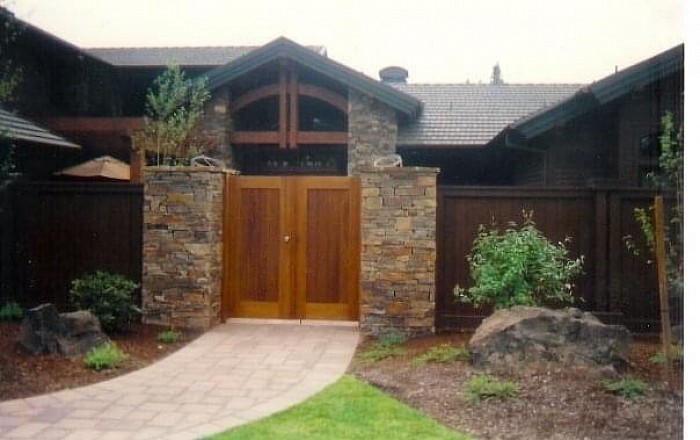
[{"x": 229, "y": 376}]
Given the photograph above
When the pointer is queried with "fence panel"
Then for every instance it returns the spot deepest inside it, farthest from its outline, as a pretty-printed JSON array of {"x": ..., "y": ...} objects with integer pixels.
[
  {"x": 616, "y": 285},
  {"x": 63, "y": 230}
]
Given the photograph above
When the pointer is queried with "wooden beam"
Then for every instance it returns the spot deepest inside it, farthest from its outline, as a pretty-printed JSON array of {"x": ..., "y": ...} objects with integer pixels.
[
  {"x": 255, "y": 95},
  {"x": 293, "y": 107},
  {"x": 323, "y": 137},
  {"x": 255, "y": 137},
  {"x": 283, "y": 104},
  {"x": 334, "y": 99},
  {"x": 124, "y": 126}
]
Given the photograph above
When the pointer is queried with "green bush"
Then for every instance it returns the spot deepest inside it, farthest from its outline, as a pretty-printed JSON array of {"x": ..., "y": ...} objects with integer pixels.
[
  {"x": 105, "y": 357},
  {"x": 168, "y": 337},
  {"x": 519, "y": 266},
  {"x": 442, "y": 354},
  {"x": 483, "y": 386},
  {"x": 11, "y": 311},
  {"x": 627, "y": 387},
  {"x": 110, "y": 297},
  {"x": 660, "y": 357}
]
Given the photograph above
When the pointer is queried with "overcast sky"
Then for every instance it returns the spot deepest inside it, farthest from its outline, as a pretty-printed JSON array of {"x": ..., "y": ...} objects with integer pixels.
[{"x": 534, "y": 41}]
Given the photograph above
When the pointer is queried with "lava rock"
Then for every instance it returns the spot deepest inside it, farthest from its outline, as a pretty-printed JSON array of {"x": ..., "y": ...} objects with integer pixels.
[
  {"x": 44, "y": 330},
  {"x": 525, "y": 335}
]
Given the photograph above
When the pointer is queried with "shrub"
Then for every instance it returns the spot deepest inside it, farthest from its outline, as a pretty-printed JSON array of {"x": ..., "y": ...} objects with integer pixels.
[
  {"x": 519, "y": 266},
  {"x": 106, "y": 356},
  {"x": 442, "y": 354},
  {"x": 11, "y": 311},
  {"x": 168, "y": 337},
  {"x": 627, "y": 387},
  {"x": 483, "y": 386},
  {"x": 110, "y": 297}
]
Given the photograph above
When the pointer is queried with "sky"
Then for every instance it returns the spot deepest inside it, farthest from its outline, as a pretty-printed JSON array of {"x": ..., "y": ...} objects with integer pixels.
[{"x": 438, "y": 41}]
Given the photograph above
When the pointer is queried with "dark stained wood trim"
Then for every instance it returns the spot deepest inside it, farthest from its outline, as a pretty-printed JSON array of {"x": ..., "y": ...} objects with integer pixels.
[
  {"x": 323, "y": 137},
  {"x": 304, "y": 137},
  {"x": 255, "y": 137},
  {"x": 324, "y": 95},
  {"x": 255, "y": 95},
  {"x": 284, "y": 123},
  {"x": 125, "y": 126},
  {"x": 293, "y": 108}
]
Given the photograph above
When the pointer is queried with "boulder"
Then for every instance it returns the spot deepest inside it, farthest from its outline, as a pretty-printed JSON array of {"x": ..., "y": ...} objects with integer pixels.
[
  {"x": 525, "y": 335},
  {"x": 44, "y": 330}
]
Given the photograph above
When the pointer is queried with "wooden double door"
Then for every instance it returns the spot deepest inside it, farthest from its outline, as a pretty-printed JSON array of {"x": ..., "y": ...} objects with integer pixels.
[{"x": 292, "y": 247}]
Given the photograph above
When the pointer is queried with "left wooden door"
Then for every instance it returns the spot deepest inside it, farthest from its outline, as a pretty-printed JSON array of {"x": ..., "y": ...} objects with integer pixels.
[{"x": 258, "y": 249}]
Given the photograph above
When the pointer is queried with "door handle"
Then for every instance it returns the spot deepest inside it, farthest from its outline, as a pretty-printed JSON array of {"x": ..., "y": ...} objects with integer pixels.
[{"x": 287, "y": 238}]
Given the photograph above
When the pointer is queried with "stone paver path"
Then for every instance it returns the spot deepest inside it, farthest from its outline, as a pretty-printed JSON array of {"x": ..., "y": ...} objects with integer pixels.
[{"x": 233, "y": 374}]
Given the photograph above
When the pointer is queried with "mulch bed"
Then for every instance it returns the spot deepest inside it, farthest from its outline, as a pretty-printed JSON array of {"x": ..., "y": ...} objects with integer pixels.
[
  {"x": 25, "y": 375},
  {"x": 553, "y": 403}
]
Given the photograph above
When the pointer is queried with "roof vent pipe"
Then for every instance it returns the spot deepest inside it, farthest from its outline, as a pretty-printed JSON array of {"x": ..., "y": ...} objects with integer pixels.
[{"x": 393, "y": 74}]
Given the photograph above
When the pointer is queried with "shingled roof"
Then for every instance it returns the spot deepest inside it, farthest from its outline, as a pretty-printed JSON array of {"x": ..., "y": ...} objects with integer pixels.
[
  {"x": 473, "y": 114},
  {"x": 211, "y": 56},
  {"x": 16, "y": 128}
]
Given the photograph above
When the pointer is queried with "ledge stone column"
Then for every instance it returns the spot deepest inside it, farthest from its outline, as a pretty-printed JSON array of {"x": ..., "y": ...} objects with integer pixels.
[
  {"x": 373, "y": 130},
  {"x": 183, "y": 246},
  {"x": 399, "y": 207}
]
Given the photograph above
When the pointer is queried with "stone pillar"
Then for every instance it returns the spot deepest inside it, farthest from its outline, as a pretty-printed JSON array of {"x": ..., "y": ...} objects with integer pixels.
[
  {"x": 183, "y": 246},
  {"x": 399, "y": 207},
  {"x": 373, "y": 130},
  {"x": 216, "y": 125}
]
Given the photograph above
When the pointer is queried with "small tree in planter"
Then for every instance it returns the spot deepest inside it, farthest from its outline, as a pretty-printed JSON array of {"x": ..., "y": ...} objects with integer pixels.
[
  {"x": 519, "y": 266},
  {"x": 174, "y": 108}
]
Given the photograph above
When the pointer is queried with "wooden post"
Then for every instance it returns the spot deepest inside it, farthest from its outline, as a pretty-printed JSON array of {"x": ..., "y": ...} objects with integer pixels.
[{"x": 660, "y": 247}]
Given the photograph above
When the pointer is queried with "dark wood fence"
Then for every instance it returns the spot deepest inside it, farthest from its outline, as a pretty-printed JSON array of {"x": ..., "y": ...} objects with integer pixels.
[
  {"x": 63, "y": 230},
  {"x": 617, "y": 286}
]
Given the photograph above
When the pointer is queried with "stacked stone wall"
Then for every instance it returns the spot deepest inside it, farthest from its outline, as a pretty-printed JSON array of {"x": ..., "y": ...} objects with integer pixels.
[
  {"x": 183, "y": 246},
  {"x": 373, "y": 131},
  {"x": 398, "y": 250}
]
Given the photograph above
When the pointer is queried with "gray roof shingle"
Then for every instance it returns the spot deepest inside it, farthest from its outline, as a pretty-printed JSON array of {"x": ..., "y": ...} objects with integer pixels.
[
  {"x": 14, "y": 127},
  {"x": 473, "y": 114},
  {"x": 184, "y": 56}
]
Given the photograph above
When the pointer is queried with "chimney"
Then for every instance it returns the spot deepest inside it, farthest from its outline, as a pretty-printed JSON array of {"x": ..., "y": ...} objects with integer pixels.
[{"x": 393, "y": 75}]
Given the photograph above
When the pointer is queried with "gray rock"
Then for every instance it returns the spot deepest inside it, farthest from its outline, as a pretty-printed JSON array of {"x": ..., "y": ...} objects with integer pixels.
[
  {"x": 44, "y": 330},
  {"x": 519, "y": 335}
]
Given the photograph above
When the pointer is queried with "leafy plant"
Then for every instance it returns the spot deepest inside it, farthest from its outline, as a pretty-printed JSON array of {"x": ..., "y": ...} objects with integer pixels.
[
  {"x": 660, "y": 358},
  {"x": 519, "y": 266},
  {"x": 174, "y": 107},
  {"x": 442, "y": 354},
  {"x": 484, "y": 386},
  {"x": 168, "y": 337},
  {"x": 627, "y": 387},
  {"x": 110, "y": 297},
  {"x": 11, "y": 311},
  {"x": 387, "y": 345},
  {"x": 105, "y": 357}
]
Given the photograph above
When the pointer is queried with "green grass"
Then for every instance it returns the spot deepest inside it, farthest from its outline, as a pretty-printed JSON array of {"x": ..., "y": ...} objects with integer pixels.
[
  {"x": 483, "y": 386},
  {"x": 380, "y": 352},
  {"x": 442, "y": 354},
  {"x": 348, "y": 409},
  {"x": 660, "y": 357},
  {"x": 11, "y": 311}
]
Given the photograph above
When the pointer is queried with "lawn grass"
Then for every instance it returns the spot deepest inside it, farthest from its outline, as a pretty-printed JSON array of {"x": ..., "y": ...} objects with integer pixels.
[{"x": 348, "y": 409}]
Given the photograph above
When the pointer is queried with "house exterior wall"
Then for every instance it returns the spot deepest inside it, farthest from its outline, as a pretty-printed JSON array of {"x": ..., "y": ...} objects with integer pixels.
[
  {"x": 398, "y": 250},
  {"x": 183, "y": 246},
  {"x": 604, "y": 144}
]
